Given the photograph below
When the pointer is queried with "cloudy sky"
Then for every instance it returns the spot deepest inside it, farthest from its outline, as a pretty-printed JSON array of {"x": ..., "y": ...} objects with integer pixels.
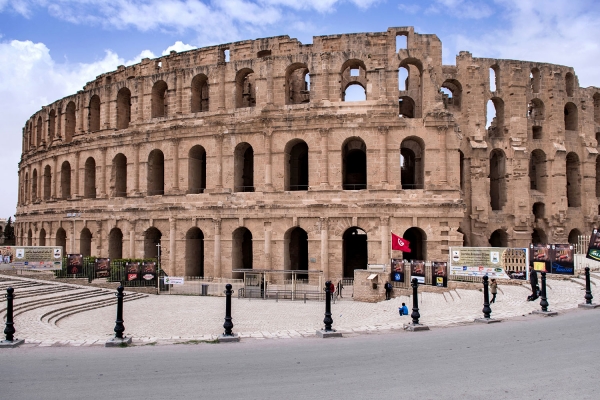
[{"x": 50, "y": 49}]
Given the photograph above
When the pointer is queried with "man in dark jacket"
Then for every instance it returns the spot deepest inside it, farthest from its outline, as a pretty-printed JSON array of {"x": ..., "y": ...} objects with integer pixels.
[
  {"x": 388, "y": 290},
  {"x": 533, "y": 280}
]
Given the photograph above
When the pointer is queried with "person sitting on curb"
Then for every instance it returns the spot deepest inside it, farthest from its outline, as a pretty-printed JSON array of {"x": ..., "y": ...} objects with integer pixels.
[{"x": 403, "y": 310}]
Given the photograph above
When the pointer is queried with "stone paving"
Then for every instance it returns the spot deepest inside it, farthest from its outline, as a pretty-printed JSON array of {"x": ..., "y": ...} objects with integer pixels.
[{"x": 166, "y": 319}]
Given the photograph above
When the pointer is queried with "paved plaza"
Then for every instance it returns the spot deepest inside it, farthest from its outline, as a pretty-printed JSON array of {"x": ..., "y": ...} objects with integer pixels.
[{"x": 169, "y": 319}]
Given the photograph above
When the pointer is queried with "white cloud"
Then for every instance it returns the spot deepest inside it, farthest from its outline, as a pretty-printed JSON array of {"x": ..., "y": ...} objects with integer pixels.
[
  {"x": 409, "y": 8},
  {"x": 461, "y": 9},
  {"x": 178, "y": 47}
]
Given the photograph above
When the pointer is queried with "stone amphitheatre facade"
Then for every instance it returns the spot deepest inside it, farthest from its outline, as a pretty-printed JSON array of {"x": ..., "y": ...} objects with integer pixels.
[{"x": 246, "y": 155}]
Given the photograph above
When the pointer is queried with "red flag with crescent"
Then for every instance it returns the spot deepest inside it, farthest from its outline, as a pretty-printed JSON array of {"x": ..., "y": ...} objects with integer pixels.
[{"x": 399, "y": 243}]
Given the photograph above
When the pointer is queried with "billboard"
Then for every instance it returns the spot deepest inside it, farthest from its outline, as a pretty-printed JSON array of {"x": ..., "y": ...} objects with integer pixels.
[
  {"x": 562, "y": 259},
  {"x": 439, "y": 274},
  {"x": 593, "y": 252},
  {"x": 482, "y": 261},
  {"x": 102, "y": 267},
  {"x": 74, "y": 264},
  {"x": 397, "y": 270},
  {"x": 417, "y": 270},
  {"x": 38, "y": 258}
]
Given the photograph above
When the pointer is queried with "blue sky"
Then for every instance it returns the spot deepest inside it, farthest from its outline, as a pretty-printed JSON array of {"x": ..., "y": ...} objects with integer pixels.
[{"x": 49, "y": 49}]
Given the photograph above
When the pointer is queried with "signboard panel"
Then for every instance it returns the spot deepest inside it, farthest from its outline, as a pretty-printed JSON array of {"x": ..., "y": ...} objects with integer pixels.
[
  {"x": 74, "y": 264},
  {"x": 562, "y": 259},
  {"x": 38, "y": 258},
  {"x": 173, "y": 280},
  {"x": 593, "y": 252},
  {"x": 482, "y": 261},
  {"x": 397, "y": 270},
  {"x": 417, "y": 270},
  {"x": 439, "y": 271},
  {"x": 102, "y": 267}
]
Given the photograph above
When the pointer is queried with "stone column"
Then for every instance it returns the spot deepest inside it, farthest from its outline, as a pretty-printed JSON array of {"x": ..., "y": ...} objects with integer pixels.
[
  {"x": 324, "y": 223},
  {"x": 132, "y": 239},
  {"x": 179, "y": 91},
  {"x": 172, "y": 233},
  {"x": 219, "y": 148},
  {"x": 384, "y": 223},
  {"x": 324, "y": 157},
  {"x": 136, "y": 168},
  {"x": 222, "y": 85},
  {"x": 268, "y": 246},
  {"x": 98, "y": 236},
  {"x": 75, "y": 188},
  {"x": 269, "y": 81},
  {"x": 217, "y": 261},
  {"x": 383, "y": 134},
  {"x": 107, "y": 105},
  {"x": 443, "y": 160},
  {"x": 103, "y": 192},
  {"x": 140, "y": 100},
  {"x": 54, "y": 178},
  {"x": 175, "y": 149},
  {"x": 325, "y": 75},
  {"x": 268, "y": 163}
]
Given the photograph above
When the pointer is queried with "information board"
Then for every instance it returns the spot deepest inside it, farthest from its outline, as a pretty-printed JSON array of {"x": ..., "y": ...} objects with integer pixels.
[
  {"x": 482, "y": 261},
  {"x": 38, "y": 258}
]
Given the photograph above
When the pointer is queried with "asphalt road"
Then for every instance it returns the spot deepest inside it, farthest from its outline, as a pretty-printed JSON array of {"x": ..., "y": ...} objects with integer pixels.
[{"x": 528, "y": 358}]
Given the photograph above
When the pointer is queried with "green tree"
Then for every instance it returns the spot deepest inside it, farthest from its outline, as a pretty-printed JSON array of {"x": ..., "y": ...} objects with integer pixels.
[{"x": 9, "y": 232}]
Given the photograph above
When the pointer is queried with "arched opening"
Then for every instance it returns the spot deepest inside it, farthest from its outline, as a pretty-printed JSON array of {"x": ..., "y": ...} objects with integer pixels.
[
  {"x": 51, "y": 125},
  {"x": 26, "y": 190},
  {"x": 61, "y": 239},
  {"x": 199, "y": 93},
  {"x": 355, "y": 251},
  {"x": 241, "y": 251},
  {"x": 119, "y": 175},
  {"x": 497, "y": 179},
  {"x": 452, "y": 94},
  {"x": 159, "y": 99},
  {"x": 297, "y": 84},
  {"x": 574, "y": 236},
  {"x": 123, "y": 108},
  {"x": 65, "y": 180},
  {"x": 42, "y": 241},
  {"x": 296, "y": 246},
  {"x": 296, "y": 165},
  {"x": 465, "y": 242},
  {"x": 47, "y": 182},
  {"x": 494, "y": 78},
  {"x": 34, "y": 185},
  {"x": 406, "y": 107},
  {"x": 152, "y": 238},
  {"x": 89, "y": 189},
  {"x": 597, "y": 176},
  {"x": 94, "y": 114},
  {"x": 571, "y": 119},
  {"x": 538, "y": 236},
  {"x": 569, "y": 84},
  {"x": 539, "y": 211},
  {"x": 115, "y": 244},
  {"x": 70, "y": 122},
  {"x": 85, "y": 242},
  {"x": 411, "y": 164},
  {"x": 495, "y": 118},
  {"x": 244, "y": 168},
  {"x": 536, "y": 110},
  {"x": 573, "y": 180},
  {"x": 537, "y": 171},
  {"x": 245, "y": 89},
  {"x": 418, "y": 244},
  {"x": 38, "y": 132},
  {"x": 156, "y": 173},
  {"x": 29, "y": 238},
  {"x": 535, "y": 78},
  {"x": 402, "y": 79},
  {"x": 353, "y": 81},
  {"x": 499, "y": 238},
  {"x": 462, "y": 169},
  {"x": 194, "y": 252},
  {"x": 354, "y": 92},
  {"x": 597, "y": 108},
  {"x": 354, "y": 164},
  {"x": 196, "y": 170},
  {"x": 401, "y": 41}
]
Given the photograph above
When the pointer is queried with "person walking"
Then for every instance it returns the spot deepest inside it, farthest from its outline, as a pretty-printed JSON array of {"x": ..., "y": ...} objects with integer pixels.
[
  {"x": 493, "y": 290},
  {"x": 332, "y": 290},
  {"x": 340, "y": 286},
  {"x": 403, "y": 310},
  {"x": 388, "y": 289},
  {"x": 533, "y": 280}
]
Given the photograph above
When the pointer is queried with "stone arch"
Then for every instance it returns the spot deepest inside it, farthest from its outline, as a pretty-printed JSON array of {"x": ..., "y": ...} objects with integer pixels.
[
  {"x": 571, "y": 117},
  {"x": 413, "y": 88},
  {"x": 196, "y": 170},
  {"x": 156, "y": 173},
  {"x": 89, "y": 188},
  {"x": 123, "y": 108},
  {"x": 51, "y": 125},
  {"x": 412, "y": 162},
  {"x": 65, "y": 180},
  {"x": 245, "y": 88},
  {"x": 115, "y": 244},
  {"x": 61, "y": 239},
  {"x": 243, "y": 168},
  {"x": 152, "y": 238},
  {"x": 354, "y": 164},
  {"x": 569, "y": 84},
  {"x": 537, "y": 171},
  {"x": 452, "y": 94},
  {"x": 296, "y": 165},
  {"x": 418, "y": 244},
  {"x": 296, "y": 252},
  {"x": 353, "y": 72},
  {"x": 34, "y": 185},
  {"x": 497, "y": 179},
  {"x": 94, "y": 114},
  {"x": 494, "y": 77},
  {"x": 70, "y": 121},
  {"x": 573, "y": 180},
  {"x": 119, "y": 175},
  {"x": 499, "y": 238},
  {"x": 406, "y": 107},
  {"x": 536, "y": 112},
  {"x": 194, "y": 252},
  {"x": 42, "y": 239},
  {"x": 38, "y": 132},
  {"x": 241, "y": 250},
  {"x": 159, "y": 99},
  {"x": 47, "y": 182},
  {"x": 297, "y": 84},
  {"x": 85, "y": 242},
  {"x": 495, "y": 123},
  {"x": 199, "y": 100},
  {"x": 535, "y": 80},
  {"x": 538, "y": 236},
  {"x": 355, "y": 251},
  {"x": 574, "y": 236},
  {"x": 598, "y": 176}
]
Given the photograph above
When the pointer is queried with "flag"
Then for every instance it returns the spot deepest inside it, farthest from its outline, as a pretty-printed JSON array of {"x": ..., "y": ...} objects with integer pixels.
[{"x": 399, "y": 243}]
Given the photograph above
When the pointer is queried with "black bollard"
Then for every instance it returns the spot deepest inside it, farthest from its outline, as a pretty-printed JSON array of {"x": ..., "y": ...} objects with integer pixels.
[
  {"x": 328, "y": 320},
  {"x": 415, "y": 313},
  {"x": 228, "y": 325},
  {"x": 486, "y": 299},
  {"x": 588, "y": 290},
  {"x": 10, "y": 326},
  {"x": 544, "y": 302},
  {"x": 119, "y": 327}
]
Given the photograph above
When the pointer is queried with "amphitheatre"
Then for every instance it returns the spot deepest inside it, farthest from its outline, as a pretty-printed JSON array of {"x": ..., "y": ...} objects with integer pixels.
[{"x": 247, "y": 156}]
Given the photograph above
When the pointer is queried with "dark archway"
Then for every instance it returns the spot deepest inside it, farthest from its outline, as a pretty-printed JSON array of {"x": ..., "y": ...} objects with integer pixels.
[
  {"x": 199, "y": 93},
  {"x": 42, "y": 241},
  {"x": 47, "y": 182},
  {"x": 61, "y": 239},
  {"x": 537, "y": 171},
  {"x": 244, "y": 168},
  {"x": 29, "y": 238},
  {"x": 89, "y": 189},
  {"x": 196, "y": 170},
  {"x": 115, "y": 244},
  {"x": 159, "y": 99},
  {"x": 354, "y": 164},
  {"x": 245, "y": 89},
  {"x": 574, "y": 236},
  {"x": 94, "y": 114},
  {"x": 70, "y": 122},
  {"x": 418, "y": 244},
  {"x": 241, "y": 250},
  {"x": 411, "y": 164},
  {"x": 119, "y": 175},
  {"x": 85, "y": 242},
  {"x": 296, "y": 242},
  {"x": 297, "y": 84},
  {"x": 573, "y": 180},
  {"x": 499, "y": 238},
  {"x": 156, "y": 173},
  {"x": 538, "y": 236},
  {"x": 152, "y": 238},
  {"x": 355, "y": 251},
  {"x": 296, "y": 165},
  {"x": 65, "y": 180},
  {"x": 34, "y": 185},
  {"x": 123, "y": 108},
  {"x": 194, "y": 252},
  {"x": 497, "y": 179}
]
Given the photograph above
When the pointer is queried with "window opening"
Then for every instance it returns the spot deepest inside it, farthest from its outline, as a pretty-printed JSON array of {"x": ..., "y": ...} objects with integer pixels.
[{"x": 401, "y": 42}]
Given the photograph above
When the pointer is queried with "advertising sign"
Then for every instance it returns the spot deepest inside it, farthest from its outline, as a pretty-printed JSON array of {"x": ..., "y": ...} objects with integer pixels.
[
  {"x": 74, "y": 264},
  {"x": 439, "y": 274},
  {"x": 540, "y": 257},
  {"x": 102, "y": 267},
  {"x": 132, "y": 269},
  {"x": 173, "y": 280},
  {"x": 594, "y": 246},
  {"x": 417, "y": 270},
  {"x": 397, "y": 270},
  {"x": 39, "y": 258},
  {"x": 148, "y": 271},
  {"x": 562, "y": 259},
  {"x": 480, "y": 261}
]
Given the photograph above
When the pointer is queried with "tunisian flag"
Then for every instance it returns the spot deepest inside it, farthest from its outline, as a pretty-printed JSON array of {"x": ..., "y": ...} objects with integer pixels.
[{"x": 399, "y": 243}]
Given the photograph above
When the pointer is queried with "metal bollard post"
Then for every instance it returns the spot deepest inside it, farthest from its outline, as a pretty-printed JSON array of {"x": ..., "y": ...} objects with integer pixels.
[
  {"x": 544, "y": 302},
  {"x": 9, "y": 331},
  {"x": 588, "y": 291},
  {"x": 486, "y": 299},
  {"x": 228, "y": 325},
  {"x": 328, "y": 320},
  {"x": 119, "y": 327},
  {"x": 415, "y": 313}
]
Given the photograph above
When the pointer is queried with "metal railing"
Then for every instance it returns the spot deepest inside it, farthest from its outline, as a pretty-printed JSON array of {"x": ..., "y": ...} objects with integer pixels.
[
  {"x": 244, "y": 188},
  {"x": 355, "y": 186}
]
